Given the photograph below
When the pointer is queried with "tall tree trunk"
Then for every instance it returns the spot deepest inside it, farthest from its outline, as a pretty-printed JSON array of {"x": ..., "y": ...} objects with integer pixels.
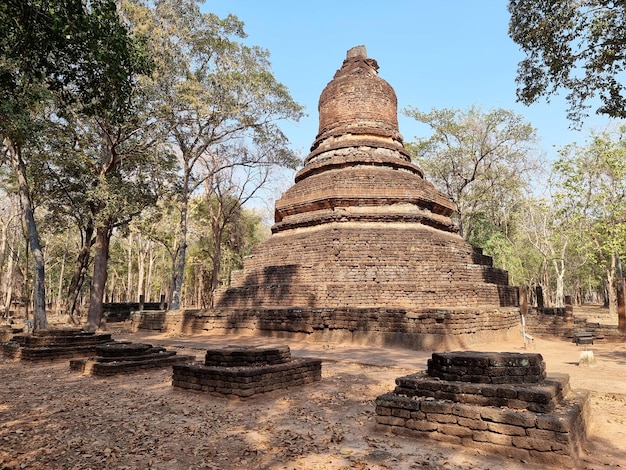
[
  {"x": 621, "y": 300},
  {"x": 545, "y": 283},
  {"x": 178, "y": 273},
  {"x": 3, "y": 251},
  {"x": 181, "y": 253},
  {"x": 151, "y": 259},
  {"x": 217, "y": 261},
  {"x": 141, "y": 270},
  {"x": 559, "y": 270},
  {"x": 39, "y": 271},
  {"x": 611, "y": 286},
  {"x": 58, "y": 302},
  {"x": 100, "y": 273},
  {"x": 8, "y": 287},
  {"x": 129, "y": 270},
  {"x": 79, "y": 273}
]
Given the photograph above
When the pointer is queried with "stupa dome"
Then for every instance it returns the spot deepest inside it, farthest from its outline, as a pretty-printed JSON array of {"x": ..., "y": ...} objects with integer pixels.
[{"x": 357, "y": 106}]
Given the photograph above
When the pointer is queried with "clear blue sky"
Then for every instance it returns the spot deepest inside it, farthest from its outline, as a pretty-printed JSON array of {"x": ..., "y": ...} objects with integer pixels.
[{"x": 435, "y": 54}]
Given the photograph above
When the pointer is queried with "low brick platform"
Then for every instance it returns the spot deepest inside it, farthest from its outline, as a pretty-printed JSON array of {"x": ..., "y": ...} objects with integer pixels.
[
  {"x": 8, "y": 331},
  {"x": 469, "y": 398},
  {"x": 53, "y": 344},
  {"x": 246, "y": 371},
  {"x": 124, "y": 358}
]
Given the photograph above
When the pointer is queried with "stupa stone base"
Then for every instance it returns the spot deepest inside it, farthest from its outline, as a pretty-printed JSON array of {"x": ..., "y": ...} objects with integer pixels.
[
  {"x": 427, "y": 329},
  {"x": 53, "y": 344},
  {"x": 124, "y": 358},
  {"x": 244, "y": 372},
  {"x": 499, "y": 402}
]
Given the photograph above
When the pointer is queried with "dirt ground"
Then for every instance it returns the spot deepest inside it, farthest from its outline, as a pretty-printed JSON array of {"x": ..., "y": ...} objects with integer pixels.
[{"x": 53, "y": 418}]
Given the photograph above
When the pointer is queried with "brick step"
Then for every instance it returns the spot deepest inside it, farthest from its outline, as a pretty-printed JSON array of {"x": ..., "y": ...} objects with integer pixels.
[
  {"x": 92, "y": 367},
  {"x": 510, "y": 392}
]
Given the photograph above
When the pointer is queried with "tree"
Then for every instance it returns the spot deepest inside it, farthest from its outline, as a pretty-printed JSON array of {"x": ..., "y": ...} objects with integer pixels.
[
  {"x": 214, "y": 91},
  {"x": 234, "y": 231},
  {"x": 9, "y": 250},
  {"x": 482, "y": 161},
  {"x": 548, "y": 232},
  {"x": 128, "y": 171},
  {"x": 592, "y": 195},
  {"x": 71, "y": 53},
  {"x": 227, "y": 191},
  {"x": 578, "y": 46}
]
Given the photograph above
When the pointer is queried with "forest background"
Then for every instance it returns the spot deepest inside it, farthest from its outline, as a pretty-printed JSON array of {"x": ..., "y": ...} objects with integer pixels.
[{"x": 143, "y": 143}]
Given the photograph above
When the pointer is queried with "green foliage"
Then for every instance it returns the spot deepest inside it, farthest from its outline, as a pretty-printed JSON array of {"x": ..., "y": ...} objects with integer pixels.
[
  {"x": 210, "y": 87},
  {"x": 241, "y": 233},
  {"x": 482, "y": 161},
  {"x": 78, "y": 53},
  {"x": 241, "y": 230},
  {"x": 572, "y": 45},
  {"x": 592, "y": 196}
]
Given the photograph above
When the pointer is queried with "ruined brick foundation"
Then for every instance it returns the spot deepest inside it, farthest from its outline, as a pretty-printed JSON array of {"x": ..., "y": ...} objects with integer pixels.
[
  {"x": 124, "y": 358},
  {"x": 428, "y": 329},
  {"x": 53, "y": 344},
  {"x": 237, "y": 372},
  {"x": 499, "y": 402}
]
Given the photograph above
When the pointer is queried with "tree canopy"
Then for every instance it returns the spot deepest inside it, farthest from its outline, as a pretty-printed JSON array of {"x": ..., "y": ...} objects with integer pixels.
[
  {"x": 572, "y": 45},
  {"x": 76, "y": 56},
  {"x": 592, "y": 196},
  {"x": 479, "y": 159}
]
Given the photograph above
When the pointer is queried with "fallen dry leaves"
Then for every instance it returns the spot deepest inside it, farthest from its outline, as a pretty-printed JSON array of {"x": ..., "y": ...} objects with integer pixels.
[{"x": 53, "y": 418}]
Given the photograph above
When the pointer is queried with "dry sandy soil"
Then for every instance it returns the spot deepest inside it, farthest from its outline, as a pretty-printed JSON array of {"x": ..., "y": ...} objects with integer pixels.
[{"x": 53, "y": 418}]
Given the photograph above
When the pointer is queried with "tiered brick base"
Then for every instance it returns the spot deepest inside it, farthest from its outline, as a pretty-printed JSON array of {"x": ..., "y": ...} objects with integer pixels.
[
  {"x": 121, "y": 358},
  {"x": 53, "y": 344},
  {"x": 244, "y": 372},
  {"x": 500, "y": 402},
  {"x": 434, "y": 328}
]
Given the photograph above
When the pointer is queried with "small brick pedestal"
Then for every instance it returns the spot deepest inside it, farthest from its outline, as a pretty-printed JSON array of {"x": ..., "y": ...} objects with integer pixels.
[
  {"x": 244, "y": 372},
  {"x": 53, "y": 344},
  {"x": 121, "y": 358},
  {"x": 499, "y": 402}
]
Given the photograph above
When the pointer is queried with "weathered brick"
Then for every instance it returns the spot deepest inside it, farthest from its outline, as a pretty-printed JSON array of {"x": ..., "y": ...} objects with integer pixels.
[
  {"x": 532, "y": 443},
  {"x": 435, "y": 406},
  {"x": 475, "y": 424},
  {"x": 455, "y": 430},
  {"x": 390, "y": 420},
  {"x": 555, "y": 422},
  {"x": 400, "y": 413},
  {"x": 506, "y": 429},
  {"x": 466, "y": 411},
  {"x": 522, "y": 418},
  {"x": 494, "y": 438},
  {"x": 441, "y": 418}
]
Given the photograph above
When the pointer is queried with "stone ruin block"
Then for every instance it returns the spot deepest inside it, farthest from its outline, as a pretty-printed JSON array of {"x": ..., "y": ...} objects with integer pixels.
[
  {"x": 126, "y": 357},
  {"x": 246, "y": 371},
  {"x": 236, "y": 356},
  {"x": 53, "y": 344},
  {"x": 500, "y": 402}
]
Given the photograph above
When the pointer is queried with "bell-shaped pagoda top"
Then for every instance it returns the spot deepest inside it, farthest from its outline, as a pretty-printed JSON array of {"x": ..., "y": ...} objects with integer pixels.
[
  {"x": 358, "y": 169},
  {"x": 357, "y": 106}
]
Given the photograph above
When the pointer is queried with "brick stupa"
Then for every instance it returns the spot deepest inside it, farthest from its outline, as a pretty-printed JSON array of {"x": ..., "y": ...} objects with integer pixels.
[{"x": 363, "y": 247}]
